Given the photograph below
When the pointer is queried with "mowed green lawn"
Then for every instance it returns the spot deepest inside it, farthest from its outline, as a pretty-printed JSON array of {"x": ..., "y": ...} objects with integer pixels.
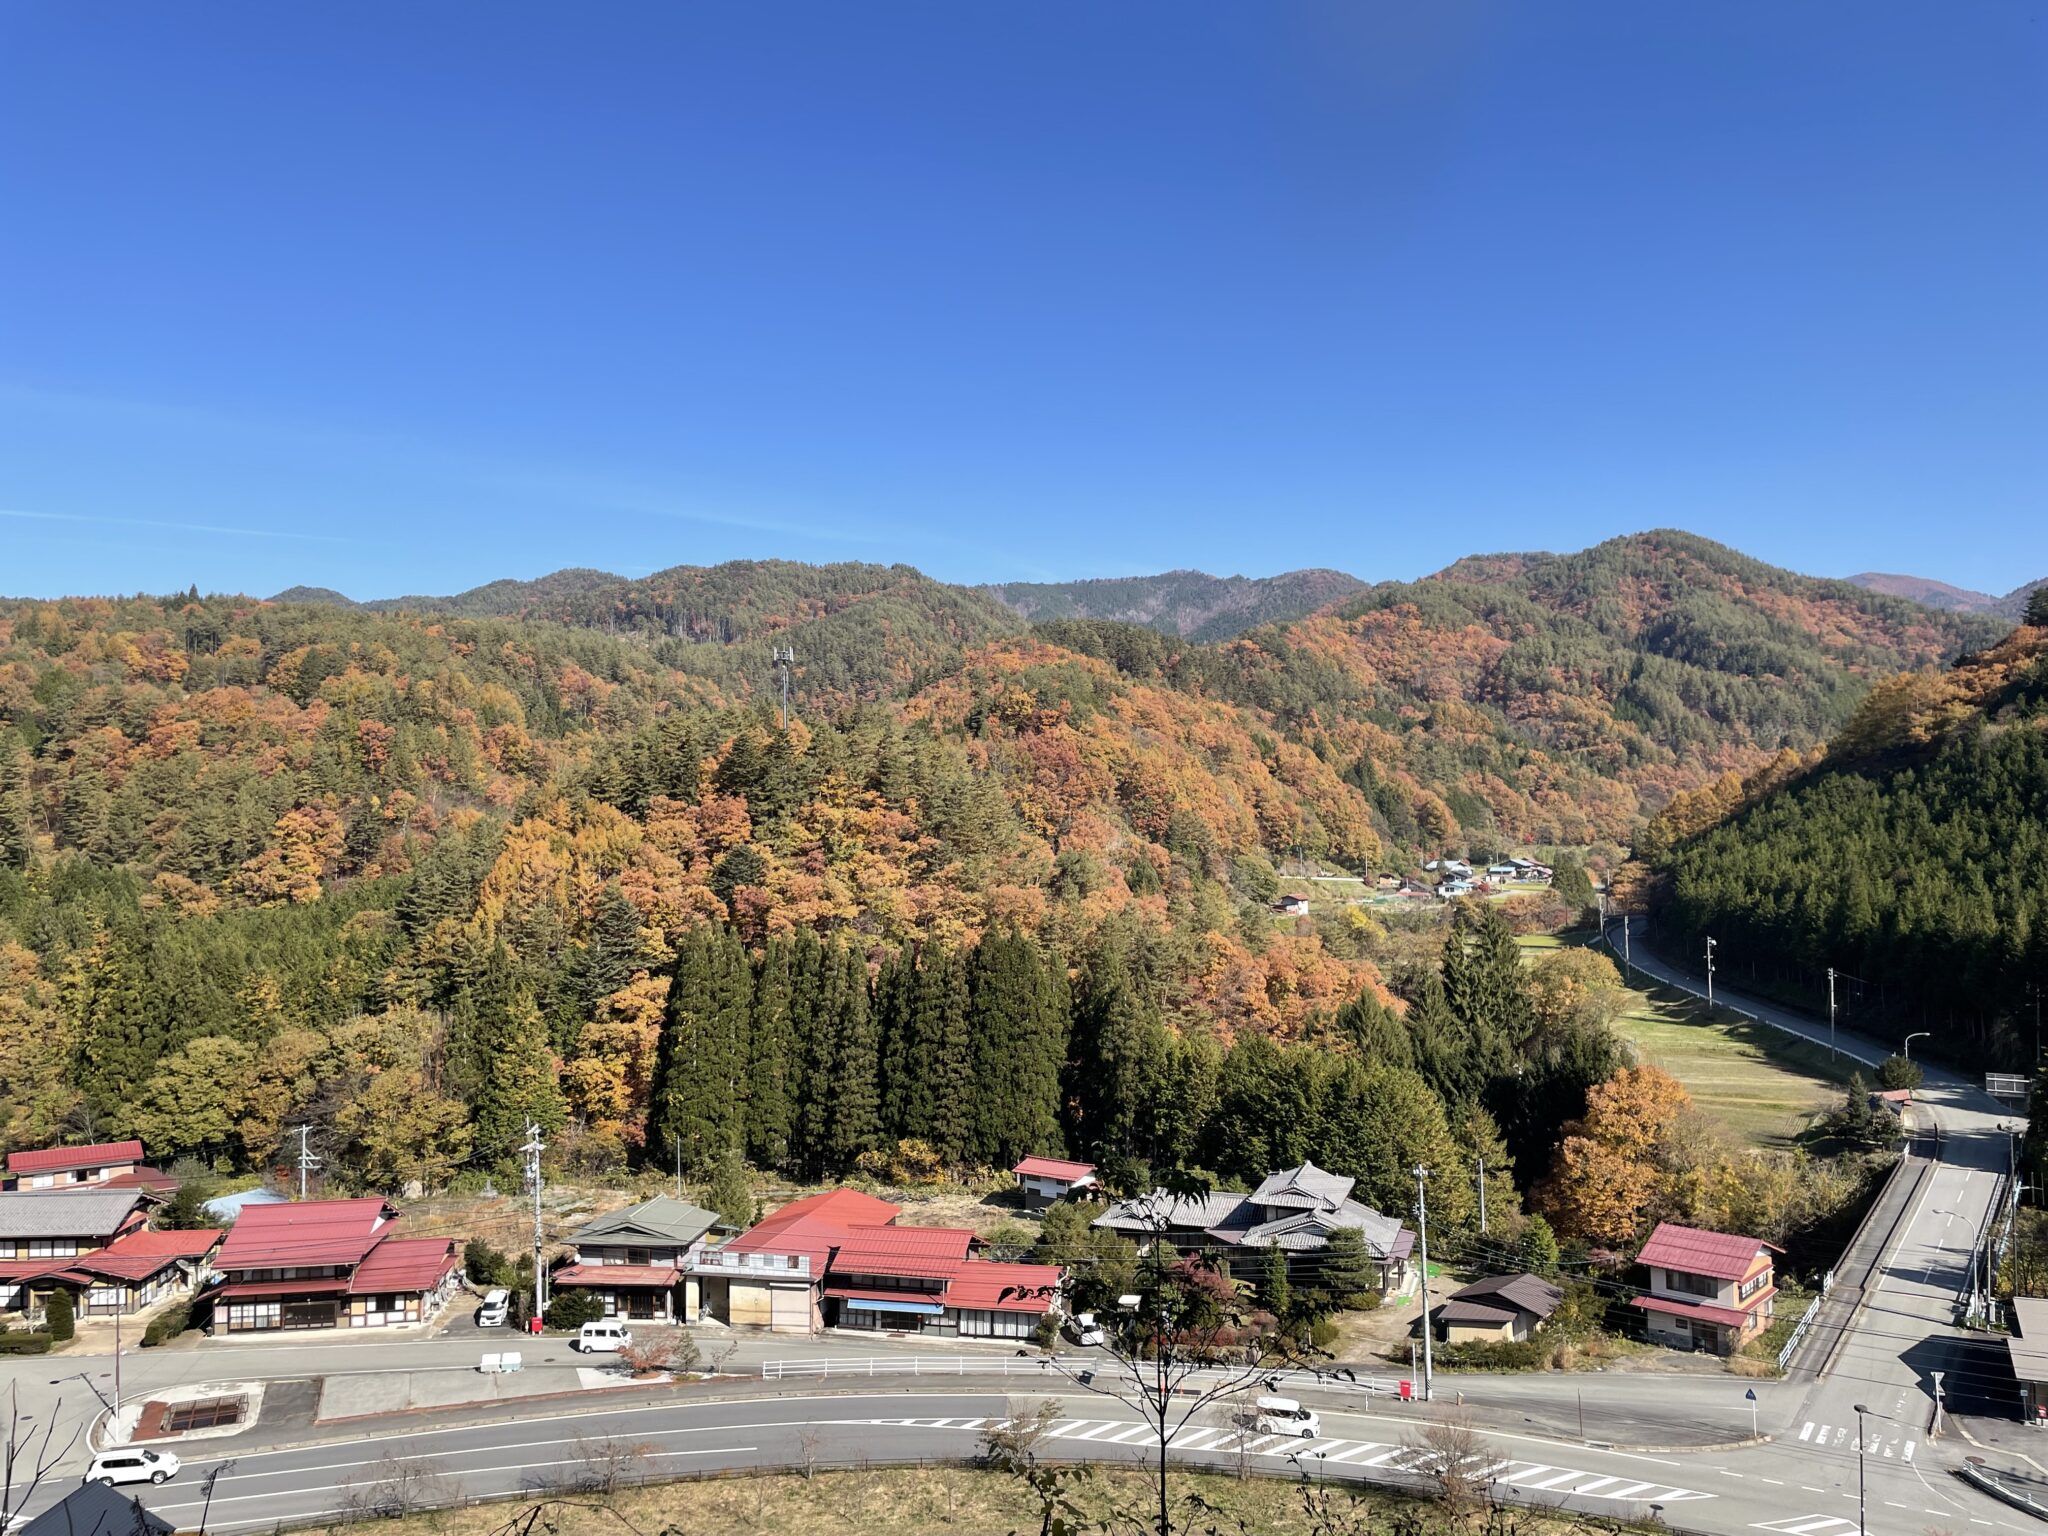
[{"x": 1764, "y": 1086}]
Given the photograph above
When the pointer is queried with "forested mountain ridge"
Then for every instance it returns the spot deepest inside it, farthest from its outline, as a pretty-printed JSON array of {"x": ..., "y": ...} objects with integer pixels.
[
  {"x": 1189, "y": 604},
  {"x": 1907, "y": 856},
  {"x": 1939, "y": 594}
]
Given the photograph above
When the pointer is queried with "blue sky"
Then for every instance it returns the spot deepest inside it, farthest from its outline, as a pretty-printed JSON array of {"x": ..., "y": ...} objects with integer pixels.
[{"x": 399, "y": 298}]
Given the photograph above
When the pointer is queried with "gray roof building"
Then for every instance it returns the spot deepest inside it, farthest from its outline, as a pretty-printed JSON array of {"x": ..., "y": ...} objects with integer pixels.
[
  {"x": 89, "y": 1213},
  {"x": 1500, "y": 1298},
  {"x": 1295, "y": 1210},
  {"x": 662, "y": 1221}
]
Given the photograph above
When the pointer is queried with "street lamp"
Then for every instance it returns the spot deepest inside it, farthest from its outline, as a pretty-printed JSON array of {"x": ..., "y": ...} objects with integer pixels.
[{"x": 1918, "y": 1034}]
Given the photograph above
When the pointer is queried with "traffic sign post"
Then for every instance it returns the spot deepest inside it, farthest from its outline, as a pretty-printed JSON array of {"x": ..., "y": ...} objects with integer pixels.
[{"x": 1751, "y": 1395}]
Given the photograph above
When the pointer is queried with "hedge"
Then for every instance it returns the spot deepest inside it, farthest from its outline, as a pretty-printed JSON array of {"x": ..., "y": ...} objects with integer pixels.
[{"x": 24, "y": 1343}]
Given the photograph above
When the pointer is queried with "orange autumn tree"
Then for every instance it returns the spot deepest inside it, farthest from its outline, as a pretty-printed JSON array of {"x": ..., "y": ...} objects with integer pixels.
[{"x": 1613, "y": 1160}]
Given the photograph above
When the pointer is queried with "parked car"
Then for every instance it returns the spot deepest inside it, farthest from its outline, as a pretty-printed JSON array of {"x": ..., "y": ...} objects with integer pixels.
[
  {"x": 606, "y": 1336},
  {"x": 1084, "y": 1330},
  {"x": 1285, "y": 1416},
  {"x": 128, "y": 1464},
  {"x": 496, "y": 1310}
]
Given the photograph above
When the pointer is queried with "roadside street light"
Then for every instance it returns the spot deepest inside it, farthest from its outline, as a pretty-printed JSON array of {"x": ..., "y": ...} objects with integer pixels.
[
  {"x": 1918, "y": 1034},
  {"x": 1862, "y": 1518}
]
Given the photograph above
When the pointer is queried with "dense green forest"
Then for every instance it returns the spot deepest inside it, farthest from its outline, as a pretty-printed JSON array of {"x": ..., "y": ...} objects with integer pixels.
[{"x": 1908, "y": 857}]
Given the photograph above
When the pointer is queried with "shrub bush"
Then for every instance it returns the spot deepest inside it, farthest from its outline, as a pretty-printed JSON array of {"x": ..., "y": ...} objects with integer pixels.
[
  {"x": 24, "y": 1343},
  {"x": 61, "y": 1320},
  {"x": 572, "y": 1309},
  {"x": 167, "y": 1325}
]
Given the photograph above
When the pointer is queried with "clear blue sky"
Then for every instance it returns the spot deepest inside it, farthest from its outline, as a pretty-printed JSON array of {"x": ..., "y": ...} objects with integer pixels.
[{"x": 399, "y": 297}]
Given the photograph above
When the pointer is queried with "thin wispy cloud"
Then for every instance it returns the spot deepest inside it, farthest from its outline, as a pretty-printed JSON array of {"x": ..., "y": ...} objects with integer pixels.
[{"x": 173, "y": 527}]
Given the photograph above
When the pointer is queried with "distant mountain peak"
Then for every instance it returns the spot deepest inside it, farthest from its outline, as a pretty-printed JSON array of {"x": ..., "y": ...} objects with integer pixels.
[{"x": 1191, "y": 605}]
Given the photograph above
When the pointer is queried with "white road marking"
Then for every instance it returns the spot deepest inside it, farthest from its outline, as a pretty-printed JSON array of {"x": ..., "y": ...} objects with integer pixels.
[{"x": 1806, "y": 1429}]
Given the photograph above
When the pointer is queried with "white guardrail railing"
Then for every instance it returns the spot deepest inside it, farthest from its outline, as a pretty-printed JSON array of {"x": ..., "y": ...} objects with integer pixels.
[{"x": 1052, "y": 1368}]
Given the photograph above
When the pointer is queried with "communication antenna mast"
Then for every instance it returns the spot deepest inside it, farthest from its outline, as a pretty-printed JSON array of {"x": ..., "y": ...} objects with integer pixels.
[{"x": 785, "y": 658}]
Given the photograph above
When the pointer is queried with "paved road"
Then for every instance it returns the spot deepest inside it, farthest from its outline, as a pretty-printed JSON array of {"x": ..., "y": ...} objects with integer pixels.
[
  {"x": 1792, "y": 1491},
  {"x": 1902, "y": 1334}
]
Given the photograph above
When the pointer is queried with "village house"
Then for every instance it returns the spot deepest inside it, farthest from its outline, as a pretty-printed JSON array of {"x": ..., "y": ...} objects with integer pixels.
[
  {"x": 2027, "y": 1348},
  {"x": 328, "y": 1264},
  {"x": 1047, "y": 1180},
  {"x": 1291, "y": 906},
  {"x": 633, "y": 1260},
  {"x": 1496, "y": 1310},
  {"x": 1708, "y": 1290},
  {"x": 838, "y": 1260},
  {"x": 95, "y": 1243},
  {"x": 116, "y": 1164},
  {"x": 1294, "y": 1210}
]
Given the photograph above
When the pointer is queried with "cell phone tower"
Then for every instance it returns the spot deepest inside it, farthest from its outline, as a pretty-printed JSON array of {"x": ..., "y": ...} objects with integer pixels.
[{"x": 785, "y": 658}]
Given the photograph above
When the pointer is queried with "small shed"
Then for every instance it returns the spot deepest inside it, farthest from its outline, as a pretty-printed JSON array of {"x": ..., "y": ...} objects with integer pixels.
[{"x": 2027, "y": 1347}]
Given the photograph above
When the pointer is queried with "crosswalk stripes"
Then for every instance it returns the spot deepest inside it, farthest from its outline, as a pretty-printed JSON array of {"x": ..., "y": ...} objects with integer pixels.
[
  {"x": 1838, "y": 1436},
  {"x": 1811, "y": 1525},
  {"x": 1528, "y": 1476}
]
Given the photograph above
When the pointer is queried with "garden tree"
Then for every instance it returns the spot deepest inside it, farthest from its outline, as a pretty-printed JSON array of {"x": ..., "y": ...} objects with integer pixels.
[
  {"x": 59, "y": 1315},
  {"x": 1613, "y": 1159},
  {"x": 186, "y": 1210},
  {"x": 1101, "y": 1265},
  {"x": 1274, "y": 1294},
  {"x": 730, "y": 1194},
  {"x": 1017, "y": 1022},
  {"x": 1375, "y": 1031},
  {"x": 1896, "y": 1072},
  {"x": 701, "y": 1071},
  {"x": 771, "y": 1060},
  {"x": 1536, "y": 1247},
  {"x": 1346, "y": 1271},
  {"x": 1857, "y": 1120}
]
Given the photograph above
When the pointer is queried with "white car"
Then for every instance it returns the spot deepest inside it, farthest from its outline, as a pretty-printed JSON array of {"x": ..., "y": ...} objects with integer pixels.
[
  {"x": 1285, "y": 1416},
  {"x": 131, "y": 1464},
  {"x": 496, "y": 1309},
  {"x": 605, "y": 1337},
  {"x": 1084, "y": 1330}
]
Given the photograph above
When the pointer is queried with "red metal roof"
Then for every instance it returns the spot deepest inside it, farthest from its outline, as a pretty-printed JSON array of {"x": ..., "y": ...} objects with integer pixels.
[
  {"x": 631, "y": 1277},
  {"x": 815, "y": 1225},
  {"x": 986, "y": 1286},
  {"x": 300, "y": 1233},
  {"x": 856, "y": 1293},
  {"x": 29, "y": 1269},
  {"x": 102, "y": 1154},
  {"x": 278, "y": 1288},
  {"x": 1724, "y": 1255},
  {"x": 1728, "y": 1317},
  {"x": 1054, "y": 1168},
  {"x": 916, "y": 1253},
  {"x": 401, "y": 1264},
  {"x": 175, "y": 1244}
]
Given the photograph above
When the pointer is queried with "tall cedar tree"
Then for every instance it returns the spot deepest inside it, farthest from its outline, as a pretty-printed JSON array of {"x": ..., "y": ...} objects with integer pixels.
[
  {"x": 520, "y": 1085},
  {"x": 1017, "y": 1027},
  {"x": 1116, "y": 1064},
  {"x": 702, "y": 1068},
  {"x": 814, "y": 1053},
  {"x": 771, "y": 1103},
  {"x": 903, "y": 1087},
  {"x": 856, "y": 1108}
]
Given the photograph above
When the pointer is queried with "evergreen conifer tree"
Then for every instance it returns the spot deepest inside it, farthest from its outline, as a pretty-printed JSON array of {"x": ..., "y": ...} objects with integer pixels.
[
  {"x": 856, "y": 1107},
  {"x": 1017, "y": 1028},
  {"x": 770, "y": 1064}
]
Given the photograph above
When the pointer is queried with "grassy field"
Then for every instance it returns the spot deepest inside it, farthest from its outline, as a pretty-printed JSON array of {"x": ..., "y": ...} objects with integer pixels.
[
  {"x": 1765, "y": 1086},
  {"x": 940, "y": 1501}
]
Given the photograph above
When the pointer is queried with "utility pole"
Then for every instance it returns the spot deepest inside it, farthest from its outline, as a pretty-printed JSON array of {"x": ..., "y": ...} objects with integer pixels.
[
  {"x": 1428, "y": 1327},
  {"x": 1862, "y": 1514},
  {"x": 533, "y": 1148},
  {"x": 677, "y": 1146},
  {"x": 1482, "y": 1197},
  {"x": 307, "y": 1161},
  {"x": 1831, "y": 1013},
  {"x": 1710, "y": 973},
  {"x": 785, "y": 658}
]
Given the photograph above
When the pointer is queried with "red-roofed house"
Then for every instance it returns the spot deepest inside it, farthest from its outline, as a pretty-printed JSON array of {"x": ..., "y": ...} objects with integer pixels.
[
  {"x": 1708, "y": 1290},
  {"x": 838, "y": 1259},
  {"x": 107, "y": 1162},
  {"x": 1045, "y": 1180},
  {"x": 328, "y": 1264}
]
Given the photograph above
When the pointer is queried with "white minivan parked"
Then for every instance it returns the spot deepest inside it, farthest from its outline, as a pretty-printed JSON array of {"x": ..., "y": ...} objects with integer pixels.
[
  {"x": 1285, "y": 1416},
  {"x": 127, "y": 1464},
  {"x": 606, "y": 1336},
  {"x": 496, "y": 1309}
]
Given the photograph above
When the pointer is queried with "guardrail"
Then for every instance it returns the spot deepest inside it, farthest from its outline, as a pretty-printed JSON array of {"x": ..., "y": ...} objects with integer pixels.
[
  {"x": 826, "y": 1367},
  {"x": 1798, "y": 1334}
]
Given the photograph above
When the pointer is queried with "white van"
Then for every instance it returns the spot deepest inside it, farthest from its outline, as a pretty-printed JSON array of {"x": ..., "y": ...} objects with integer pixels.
[
  {"x": 606, "y": 1336},
  {"x": 127, "y": 1464},
  {"x": 496, "y": 1310},
  {"x": 1084, "y": 1330},
  {"x": 1285, "y": 1416}
]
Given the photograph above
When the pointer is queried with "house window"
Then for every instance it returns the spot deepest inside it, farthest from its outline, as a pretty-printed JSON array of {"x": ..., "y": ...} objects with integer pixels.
[
  {"x": 52, "y": 1247},
  {"x": 1752, "y": 1285},
  {"x": 1690, "y": 1285}
]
